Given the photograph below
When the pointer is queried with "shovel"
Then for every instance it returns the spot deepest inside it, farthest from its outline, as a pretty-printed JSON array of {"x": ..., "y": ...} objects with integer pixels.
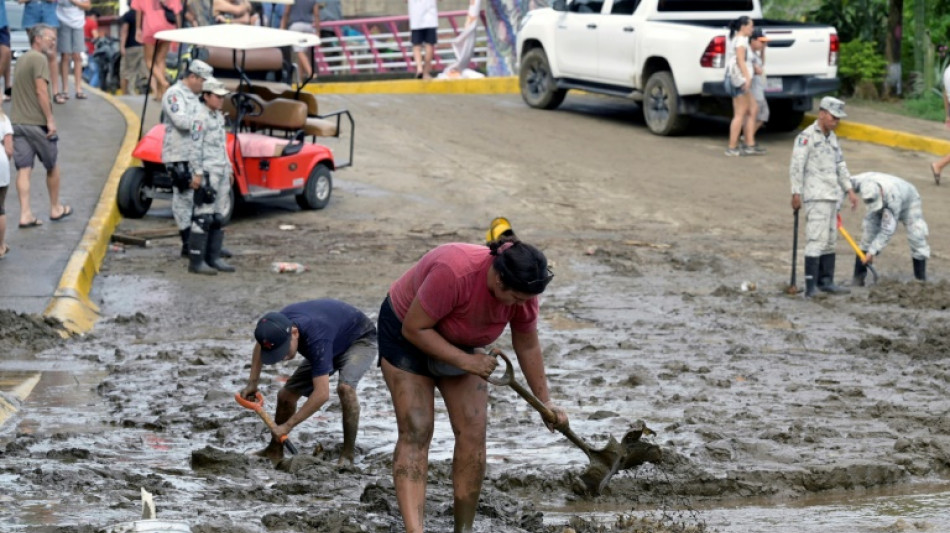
[
  {"x": 854, "y": 246},
  {"x": 258, "y": 407},
  {"x": 604, "y": 462},
  {"x": 792, "y": 285}
]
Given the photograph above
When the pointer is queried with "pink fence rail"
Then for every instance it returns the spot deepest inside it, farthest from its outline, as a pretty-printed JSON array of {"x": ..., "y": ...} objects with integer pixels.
[{"x": 382, "y": 44}]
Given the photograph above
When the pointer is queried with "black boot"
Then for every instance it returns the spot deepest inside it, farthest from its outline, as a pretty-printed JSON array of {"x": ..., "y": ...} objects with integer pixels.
[
  {"x": 811, "y": 276},
  {"x": 185, "y": 234},
  {"x": 920, "y": 269},
  {"x": 860, "y": 273},
  {"x": 225, "y": 253},
  {"x": 215, "y": 239},
  {"x": 826, "y": 276},
  {"x": 197, "y": 246}
]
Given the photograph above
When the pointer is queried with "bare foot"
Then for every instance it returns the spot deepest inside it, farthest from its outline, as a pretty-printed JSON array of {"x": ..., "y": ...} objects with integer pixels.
[{"x": 345, "y": 460}]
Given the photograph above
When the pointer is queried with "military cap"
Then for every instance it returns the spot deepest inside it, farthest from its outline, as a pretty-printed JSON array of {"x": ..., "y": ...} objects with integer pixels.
[{"x": 833, "y": 106}]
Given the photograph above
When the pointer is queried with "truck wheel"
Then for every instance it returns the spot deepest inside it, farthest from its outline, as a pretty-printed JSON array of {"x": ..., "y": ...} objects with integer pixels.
[
  {"x": 661, "y": 105},
  {"x": 316, "y": 193},
  {"x": 538, "y": 86},
  {"x": 132, "y": 198},
  {"x": 783, "y": 117}
]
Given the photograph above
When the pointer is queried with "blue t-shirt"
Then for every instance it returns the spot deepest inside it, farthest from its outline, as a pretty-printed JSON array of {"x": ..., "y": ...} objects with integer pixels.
[{"x": 327, "y": 329}]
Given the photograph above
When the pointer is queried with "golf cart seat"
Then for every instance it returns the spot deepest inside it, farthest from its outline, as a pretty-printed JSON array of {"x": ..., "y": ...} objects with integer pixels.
[
  {"x": 270, "y": 64},
  {"x": 280, "y": 114}
]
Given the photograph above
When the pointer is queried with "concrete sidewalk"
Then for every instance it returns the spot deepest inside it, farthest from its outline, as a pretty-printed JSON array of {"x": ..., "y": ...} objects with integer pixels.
[{"x": 91, "y": 132}]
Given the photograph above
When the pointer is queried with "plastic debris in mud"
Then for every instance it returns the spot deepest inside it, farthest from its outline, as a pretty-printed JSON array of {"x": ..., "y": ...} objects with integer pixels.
[
  {"x": 283, "y": 267},
  {"x": 148, "y": 524}
]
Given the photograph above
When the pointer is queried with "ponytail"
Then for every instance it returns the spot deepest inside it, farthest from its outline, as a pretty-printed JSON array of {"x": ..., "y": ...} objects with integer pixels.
[
  {"x": 522, "y": 267},
  {"x": 736, "y": 24}
]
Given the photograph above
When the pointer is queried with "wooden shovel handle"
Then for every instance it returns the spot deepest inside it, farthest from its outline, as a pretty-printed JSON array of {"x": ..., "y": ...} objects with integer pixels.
[{"x": 258, "y": 407}]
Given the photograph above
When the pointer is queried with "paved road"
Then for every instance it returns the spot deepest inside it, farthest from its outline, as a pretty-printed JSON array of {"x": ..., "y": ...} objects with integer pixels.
[{"x": 91, "y": 132}]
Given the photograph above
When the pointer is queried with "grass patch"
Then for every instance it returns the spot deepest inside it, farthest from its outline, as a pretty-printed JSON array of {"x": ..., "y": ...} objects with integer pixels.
[{"x": 928, "y": 107}]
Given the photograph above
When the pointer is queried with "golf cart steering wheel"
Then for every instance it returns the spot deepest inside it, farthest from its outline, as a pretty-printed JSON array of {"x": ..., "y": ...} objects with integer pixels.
[{"x": 246, "y": 106}]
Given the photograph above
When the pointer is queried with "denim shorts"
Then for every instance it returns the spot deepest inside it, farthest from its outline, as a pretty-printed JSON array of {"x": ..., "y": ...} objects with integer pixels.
[
  {"x": 732, "y": 90},
  {"x": 38, "y": 11}
]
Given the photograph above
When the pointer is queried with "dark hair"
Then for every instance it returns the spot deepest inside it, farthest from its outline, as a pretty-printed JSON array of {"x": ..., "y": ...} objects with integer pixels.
[
  {"x": 93, "y": 13},
  {"x": 522, "y": 267},
  {"x": 736, "y": 24}
]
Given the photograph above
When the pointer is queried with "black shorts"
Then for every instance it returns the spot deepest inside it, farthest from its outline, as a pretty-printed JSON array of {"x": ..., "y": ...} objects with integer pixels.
[
  {"x": 5, "y": 36},
  {"x": 424, "y": 35},
  {"x": 3, "y": 200},
  {"x": 404, "y": 355}
]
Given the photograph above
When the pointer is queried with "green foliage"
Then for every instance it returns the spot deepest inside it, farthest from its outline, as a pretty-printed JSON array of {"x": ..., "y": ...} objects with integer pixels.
[
  {"x": 789, "y": 9},
  {"x": 864, "y": 20},
  {"x": 106, "y": 7},
  {"x": 860, "y": 61},
  {"x": 928, "y": 106}
]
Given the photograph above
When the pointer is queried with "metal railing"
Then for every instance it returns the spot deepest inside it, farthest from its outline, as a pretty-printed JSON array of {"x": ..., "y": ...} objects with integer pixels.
[{"x": 381, "y": 44}]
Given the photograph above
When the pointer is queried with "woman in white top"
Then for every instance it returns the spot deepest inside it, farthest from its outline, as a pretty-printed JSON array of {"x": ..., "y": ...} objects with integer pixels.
[{"x": 743, "y": 104}]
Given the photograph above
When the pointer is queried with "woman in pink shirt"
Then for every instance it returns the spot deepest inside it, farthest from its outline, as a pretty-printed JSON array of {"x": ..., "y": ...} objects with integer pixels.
[
  {"x": 149, "y": 20},
  {"x": 433, "y": 327}
]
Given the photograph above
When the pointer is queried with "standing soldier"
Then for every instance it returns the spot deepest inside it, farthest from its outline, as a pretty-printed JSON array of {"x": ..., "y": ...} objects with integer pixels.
[
  {"x": 180, "y": 107},
  {"x": 818, "y": 175},
  {"x": 890, "y": 200},
  {"x": 211, "y": 169}
]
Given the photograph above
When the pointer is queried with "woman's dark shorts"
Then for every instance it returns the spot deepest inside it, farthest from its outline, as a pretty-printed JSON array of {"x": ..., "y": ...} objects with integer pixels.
[
  {"x": 3, "y": 200},
  {"x": 404, "y": 355},
  {"x": 424, "y": 35}
]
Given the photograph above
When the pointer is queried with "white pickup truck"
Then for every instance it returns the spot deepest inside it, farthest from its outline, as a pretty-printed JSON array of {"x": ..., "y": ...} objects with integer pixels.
[{"x": 670, "y": 56}]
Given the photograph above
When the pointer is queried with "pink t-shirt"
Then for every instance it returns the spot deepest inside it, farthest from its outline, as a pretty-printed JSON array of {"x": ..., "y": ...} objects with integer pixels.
[
  {"x": 153, "y": 17},
  {"x": 451, "y": 283}
]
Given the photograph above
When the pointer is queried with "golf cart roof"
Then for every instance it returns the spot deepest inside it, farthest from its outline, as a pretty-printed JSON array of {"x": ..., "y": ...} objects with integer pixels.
[{"x": 238, "y": 37}]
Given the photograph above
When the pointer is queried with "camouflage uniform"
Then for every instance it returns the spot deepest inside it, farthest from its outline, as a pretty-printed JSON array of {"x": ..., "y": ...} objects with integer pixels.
[
  {"x": 819, "y": 175},
  {"x": 180, "y": 107},
  {"x": 890, "y": 200},
  {"x": 210, "y": 157}
]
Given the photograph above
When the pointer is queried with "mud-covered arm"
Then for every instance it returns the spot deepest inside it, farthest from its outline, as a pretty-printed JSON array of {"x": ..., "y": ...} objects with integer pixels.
[
  {"x": 419, "y": 329},
  {"x": 251, "y": 388},
  {"x": 320, "y": 395},
  {"x": 528, "y": 349}
]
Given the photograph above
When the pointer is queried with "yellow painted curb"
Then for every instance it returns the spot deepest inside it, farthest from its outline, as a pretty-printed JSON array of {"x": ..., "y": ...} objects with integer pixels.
[
  {"x": 70, "y": 303},
  {"x": 885, "y": 137},
  {"x": 505, "y": 85}
]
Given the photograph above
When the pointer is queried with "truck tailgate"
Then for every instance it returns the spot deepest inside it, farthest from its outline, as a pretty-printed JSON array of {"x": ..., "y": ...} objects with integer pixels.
[{"x": 797, "y": 51}]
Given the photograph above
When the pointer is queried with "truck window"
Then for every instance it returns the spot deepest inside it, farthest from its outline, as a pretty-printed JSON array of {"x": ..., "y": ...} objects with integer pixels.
[
  {"x": 624, "y": 7},
  {"x": 704, "y": 5},
  {"x": 586, "y": 6}
]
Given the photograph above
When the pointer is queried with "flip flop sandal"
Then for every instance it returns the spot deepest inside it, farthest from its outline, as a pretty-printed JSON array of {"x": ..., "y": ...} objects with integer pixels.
[
  {"x": 32, "y": 224},
  {"x": 59, "y": 98},
  {"x": 81, "y": 96},
  {"x": 67, "y": 210},
  {"x": 6, "y": 250},
  {"x": 935, "y": 174}
]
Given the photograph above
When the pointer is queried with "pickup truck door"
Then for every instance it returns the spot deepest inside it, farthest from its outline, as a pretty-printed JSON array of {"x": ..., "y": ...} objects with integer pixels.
[
  {"x": 576, "y": 39},
  {"x": 617, "y": 48}
]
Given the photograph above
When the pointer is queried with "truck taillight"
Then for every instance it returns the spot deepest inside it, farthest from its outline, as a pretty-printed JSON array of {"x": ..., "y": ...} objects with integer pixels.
[
  {"x": 833, "y": 46},
  {"x": 715, "y": 54}
]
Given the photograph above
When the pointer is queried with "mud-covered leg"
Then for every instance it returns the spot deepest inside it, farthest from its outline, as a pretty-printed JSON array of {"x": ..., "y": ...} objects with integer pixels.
[
  {"x": 286, "y": 407},
  {"x": 466, "y": 399},
  {"x": 414, "y": 402},
  {"x": 349, "y": 402}
]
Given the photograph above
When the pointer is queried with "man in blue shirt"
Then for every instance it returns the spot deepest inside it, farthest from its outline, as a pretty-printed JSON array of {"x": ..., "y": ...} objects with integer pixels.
[{"x": 332, "y": 336}]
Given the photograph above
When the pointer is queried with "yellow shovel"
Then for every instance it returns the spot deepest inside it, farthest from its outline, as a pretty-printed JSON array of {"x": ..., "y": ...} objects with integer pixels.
[{"x": 857, "y": 250}]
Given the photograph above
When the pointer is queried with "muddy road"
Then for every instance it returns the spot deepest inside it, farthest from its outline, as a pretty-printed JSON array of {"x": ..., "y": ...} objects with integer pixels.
[{"x": 772, "y": 411}]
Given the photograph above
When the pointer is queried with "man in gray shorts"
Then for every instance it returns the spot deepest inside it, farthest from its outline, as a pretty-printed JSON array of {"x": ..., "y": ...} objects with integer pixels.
[
  {"x": 332, "y": 336},
  {"x": 34, "y": 129}
]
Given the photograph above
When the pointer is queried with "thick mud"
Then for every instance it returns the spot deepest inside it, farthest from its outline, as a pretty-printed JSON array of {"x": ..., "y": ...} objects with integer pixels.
[{"x": 772, "y": 412}]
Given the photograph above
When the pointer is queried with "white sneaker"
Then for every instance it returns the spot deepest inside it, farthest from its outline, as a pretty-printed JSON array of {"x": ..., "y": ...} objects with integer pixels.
[{"x": 733, "y": 152}]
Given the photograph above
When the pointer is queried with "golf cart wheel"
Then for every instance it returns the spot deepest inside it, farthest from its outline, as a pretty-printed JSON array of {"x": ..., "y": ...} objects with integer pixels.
[
  {"x": 316, "y": 193},
  {"x": 538, "y": 86},
  {"x": 132, "y": 198}
]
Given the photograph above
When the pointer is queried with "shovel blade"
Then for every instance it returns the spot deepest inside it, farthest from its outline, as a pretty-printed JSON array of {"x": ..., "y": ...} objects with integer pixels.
[{"x": 604, "y": 463}]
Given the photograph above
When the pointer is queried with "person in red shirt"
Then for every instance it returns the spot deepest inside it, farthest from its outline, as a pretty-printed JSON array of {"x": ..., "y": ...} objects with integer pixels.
[
  {"x": 433, "y": 328},
  {"x": 90, "y": 33}
]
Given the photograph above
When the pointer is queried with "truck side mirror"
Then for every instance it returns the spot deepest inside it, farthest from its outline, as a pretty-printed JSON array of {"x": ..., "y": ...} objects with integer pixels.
[{"x": 559, "y": 5}]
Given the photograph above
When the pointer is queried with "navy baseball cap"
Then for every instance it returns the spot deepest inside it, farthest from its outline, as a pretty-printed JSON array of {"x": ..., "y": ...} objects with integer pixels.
[{"x": 273, "y": 334}]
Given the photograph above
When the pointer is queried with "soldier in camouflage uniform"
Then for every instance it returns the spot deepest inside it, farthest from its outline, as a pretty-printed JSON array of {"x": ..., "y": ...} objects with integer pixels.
[
  {"x": 212, "y": 169},
  {"x": 890, "y": 200},
  {"x": 180, "y": 106},
  {"x": 819, "y": 176}
]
